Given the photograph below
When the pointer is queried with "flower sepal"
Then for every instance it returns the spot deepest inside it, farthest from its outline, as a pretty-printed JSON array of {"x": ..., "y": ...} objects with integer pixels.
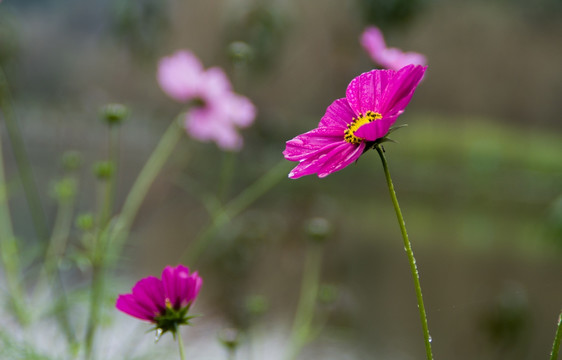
[
  {"x": 373, "y": 144},
  {"x": 171, "y": 320}
]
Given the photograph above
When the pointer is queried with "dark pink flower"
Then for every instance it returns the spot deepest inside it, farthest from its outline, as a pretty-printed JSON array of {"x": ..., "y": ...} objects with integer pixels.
[
  {"x": 389, "y": 58},
  {"x": 216, "y": 112},
  {"x": 353, "y": 124},
  {"x": 164, "y": 302}
]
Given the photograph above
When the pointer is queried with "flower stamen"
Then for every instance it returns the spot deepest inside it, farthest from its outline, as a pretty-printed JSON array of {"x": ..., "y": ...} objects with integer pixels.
[{"x": 356, "y": 123}]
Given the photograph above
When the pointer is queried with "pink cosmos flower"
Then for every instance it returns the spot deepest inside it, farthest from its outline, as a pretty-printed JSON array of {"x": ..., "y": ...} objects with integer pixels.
[
  {"x": 216, "y": 111},
  {"x": 163, "y": 302},
  {"x": 353, "y": 124},
  {"x": 389, "y": 58}
]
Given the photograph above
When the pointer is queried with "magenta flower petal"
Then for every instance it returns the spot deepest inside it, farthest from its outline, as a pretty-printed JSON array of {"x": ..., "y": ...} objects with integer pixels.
[
  {"x": 354, "y": 124},
  {"x": 180, "y": 286},
  {"x": 149, "y": 293},
  {"x": 241, "y": 110},
  {"x": 315, "y": 163},
  {"x": 365, "y": 92},
  {"x": 373, "y": 42},
  {"x": 345, "y": 156},
  {"x": 338, "y": 115},
  {"x": 180, "y": 75},
  {"x": 400, "y": 92},
  {"x": 188, "y": 288},
  {"x": 216, "y": 112},
  {"x": 169, "y": 280},
  {"x": 374, "y": 130},
  {"x": 129, "y": 305},
  {"x": 164, "y": 302},
  {"x": 214, "y": 85},
  {"x": 305, "y": 145}
]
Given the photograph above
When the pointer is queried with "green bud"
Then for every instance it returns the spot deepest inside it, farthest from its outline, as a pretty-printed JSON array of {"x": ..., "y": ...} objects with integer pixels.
[
  {"x": 71, "y": 160},
  {"x": 104, "y": 170},
  {"x": 85, "y": 222},
  {"x": 64, "y": 189},
  {"x": 114, "y": 114},
  {"x": 229, "y": 338},
  {"x": 318, "y": 229},
  {"x": 240, "y": 51}
]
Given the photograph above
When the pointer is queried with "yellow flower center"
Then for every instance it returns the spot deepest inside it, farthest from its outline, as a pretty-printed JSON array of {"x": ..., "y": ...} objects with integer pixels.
[{"x": 356, "y": 123}]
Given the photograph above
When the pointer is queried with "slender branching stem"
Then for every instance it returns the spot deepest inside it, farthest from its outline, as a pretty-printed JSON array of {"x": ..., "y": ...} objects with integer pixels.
[
  {"x": 302, "y": 324},
  {"x": 109, "y": 240},
  {"x": 134, "y": 199},
  {"x": 22, "y": 161},
  {"x": 9, "y": 254},
  {"x": 111, "y": 183},
  {"x": 222, "y": 216},
  {"x": 409, "y": 252},
  {"x": 227, "y": 172},
  {"x": 557, "y": 337}
]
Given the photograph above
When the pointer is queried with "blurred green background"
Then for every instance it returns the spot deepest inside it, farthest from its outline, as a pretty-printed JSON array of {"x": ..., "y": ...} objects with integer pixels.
[{"x": 478, "y": 170}]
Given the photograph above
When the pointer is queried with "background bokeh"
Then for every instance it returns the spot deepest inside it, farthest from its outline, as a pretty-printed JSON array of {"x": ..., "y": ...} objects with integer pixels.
[{"x": 478, "y": 170}]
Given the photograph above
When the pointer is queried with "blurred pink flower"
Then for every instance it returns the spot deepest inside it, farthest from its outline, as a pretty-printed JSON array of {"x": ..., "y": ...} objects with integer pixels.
[
  {"x": 389, "y": 58},
  {"x": 216, "y": 112},
  {"x": 353, "y": 124},
  {"x": 163, "y": 302}
]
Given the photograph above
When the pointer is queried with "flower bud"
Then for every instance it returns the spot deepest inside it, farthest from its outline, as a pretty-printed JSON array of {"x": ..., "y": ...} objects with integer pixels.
[
  {"x": 64, "y": 189},
  {"x": 104, "y": 170},
  {"x": 229, "y": 338},
  {"x": 85, "y": 222},
  {"x": 240, "y": 51},
  {"x": 114, "y": 114},
  {"x": 318, "y": 229}
]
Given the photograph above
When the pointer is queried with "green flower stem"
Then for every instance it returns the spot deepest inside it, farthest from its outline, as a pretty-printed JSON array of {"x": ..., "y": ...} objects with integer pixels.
[
  {"x": 115, "y": 236},
  {"x": 109, "y": 194},
  {"x": 57, "y": 242},
  {"x": 557, "y": 337},
  {"x": 96, "y": 302},
  {"x": 145, "y": 179},
  {"x": 22, "y": 161},
  {"x": 221, "y": 217},
  {"x": 408, "y": 248},
  {"x": 180, "y": 345},
  {"x": 228, "y": 165},
  {"x": 9, "y": 255},
  {"x": 301, "y": 331}
]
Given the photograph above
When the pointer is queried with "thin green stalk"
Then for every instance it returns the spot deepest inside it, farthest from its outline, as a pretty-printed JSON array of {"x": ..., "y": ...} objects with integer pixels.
[
  {"x": 227, "y": 171},
  {"x": 301, "y": 331},
  {"x": 180, "y": 346},
  {"x": 96, "y": 300},
  {"x": 22, "y": 160},
  {"x": 110, "y": 185},
  {"x": 115, "y": 236},
  {"x": 49, "y": 275},
  {"x": 557, "y": 337},
  {"x": 409, "y": 252},
  {"x": 143, "y": 182},
  {"x": 58, "y": 241},
  {"x": 231, "y": 354},
  {"x": 9, "y": 255},
  {"x": 233, "y": 208}
]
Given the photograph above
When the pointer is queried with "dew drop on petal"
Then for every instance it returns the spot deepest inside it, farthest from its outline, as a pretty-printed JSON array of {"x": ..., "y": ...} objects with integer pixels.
[{"x": 158, "y": 335}]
